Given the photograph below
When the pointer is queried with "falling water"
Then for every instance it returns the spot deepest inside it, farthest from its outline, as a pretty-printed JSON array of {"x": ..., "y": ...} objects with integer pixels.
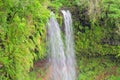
[
  {"x": 56, "y": 49},
  {"x": 69, "y": 50},
  {"x": 61, "y": 59}
]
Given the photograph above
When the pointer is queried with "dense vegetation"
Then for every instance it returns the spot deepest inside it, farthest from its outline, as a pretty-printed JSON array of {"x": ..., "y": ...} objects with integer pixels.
[{"x": 22, "y": 35}]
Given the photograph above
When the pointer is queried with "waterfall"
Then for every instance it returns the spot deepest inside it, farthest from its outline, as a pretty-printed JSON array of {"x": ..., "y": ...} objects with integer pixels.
[
  {"x": 69, "y": 50},
  {"x": 57, "y": 57},
  {"x": 61, "y": 59}
]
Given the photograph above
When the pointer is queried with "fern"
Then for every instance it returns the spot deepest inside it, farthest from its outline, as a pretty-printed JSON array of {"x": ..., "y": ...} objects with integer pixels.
[{"x": 22, "y": 31}]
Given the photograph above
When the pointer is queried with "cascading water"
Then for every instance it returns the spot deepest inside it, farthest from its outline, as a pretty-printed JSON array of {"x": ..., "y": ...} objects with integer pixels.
[
  {"x": 56, "y": 50},
  {"x": 69, "y": 50},
  {"x": 61, "y": 59}
]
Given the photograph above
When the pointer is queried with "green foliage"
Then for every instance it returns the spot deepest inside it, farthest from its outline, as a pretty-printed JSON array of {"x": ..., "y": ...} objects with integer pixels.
[
  {"x": 22, "y": 36},
  {"x": 97, "y": 31},
  {"x": 62, "y": 3},
  {"x": 111, "y": 16},
  {"x": 55, "y": 4},
  {"x": 97, "y": 68},
  {"x": 112, "y": 8},
  {"x": 90, "y": 43},
  {"x": 87, "y": 42}
]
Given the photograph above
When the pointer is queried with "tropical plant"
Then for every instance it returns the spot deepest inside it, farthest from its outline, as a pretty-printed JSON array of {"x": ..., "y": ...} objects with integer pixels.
[{"x": 22, "y": 36}]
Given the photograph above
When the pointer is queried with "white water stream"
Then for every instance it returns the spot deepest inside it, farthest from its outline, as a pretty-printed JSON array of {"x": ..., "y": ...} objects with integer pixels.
[{"x": 61, "y": 59}]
